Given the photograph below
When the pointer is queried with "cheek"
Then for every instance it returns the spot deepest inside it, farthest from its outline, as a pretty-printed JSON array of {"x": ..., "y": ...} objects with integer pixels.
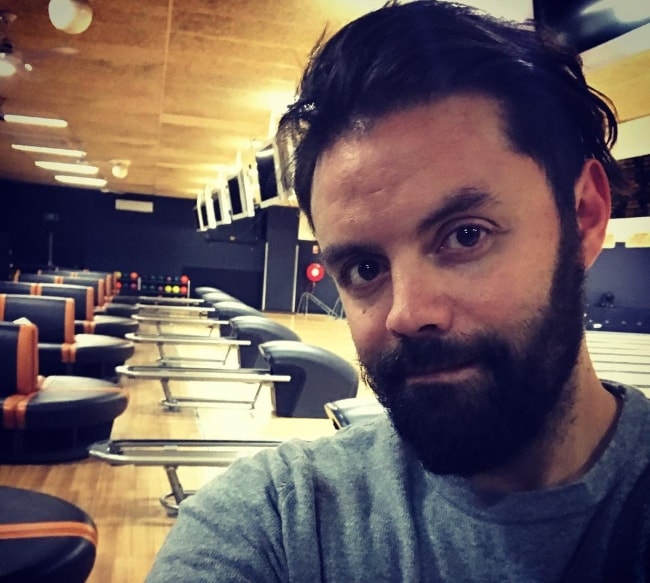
[
  {"x": 507, "y": 296},
  {"x": 367, "y": 327}
]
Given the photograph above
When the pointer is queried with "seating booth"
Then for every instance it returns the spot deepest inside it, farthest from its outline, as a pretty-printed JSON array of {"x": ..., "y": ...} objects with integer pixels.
[
  {"x": 60, "y": 350},
  {"x": 44, "y": 538},
  {"x": 19, "y": 287},
  {"x": 86, "y": 320},
  {"x": 49, "y": 419}
]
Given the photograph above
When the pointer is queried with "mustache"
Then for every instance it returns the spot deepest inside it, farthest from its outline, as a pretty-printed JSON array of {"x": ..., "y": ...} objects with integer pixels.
[{"x": 414, "y": 356}]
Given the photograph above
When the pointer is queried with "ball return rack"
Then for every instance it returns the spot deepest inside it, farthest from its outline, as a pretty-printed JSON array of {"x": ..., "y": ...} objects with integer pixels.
[
  {"x": 188, "y": 340},
  {"x": 165, "y": 375},
  {"x": 173, "y": 454},
  {"x": 159, "y": 321}
]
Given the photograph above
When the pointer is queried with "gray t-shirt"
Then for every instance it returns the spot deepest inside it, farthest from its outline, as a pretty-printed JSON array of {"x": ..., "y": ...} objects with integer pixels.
[{"x": 359, "y": 507}]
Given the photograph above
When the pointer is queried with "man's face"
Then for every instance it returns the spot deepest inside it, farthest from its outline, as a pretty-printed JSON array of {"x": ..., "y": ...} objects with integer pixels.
[{"x": 461, "y": 291}]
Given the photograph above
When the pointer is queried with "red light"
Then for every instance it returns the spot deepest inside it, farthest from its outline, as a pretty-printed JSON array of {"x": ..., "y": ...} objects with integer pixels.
[{"x": 315, "y": 272}]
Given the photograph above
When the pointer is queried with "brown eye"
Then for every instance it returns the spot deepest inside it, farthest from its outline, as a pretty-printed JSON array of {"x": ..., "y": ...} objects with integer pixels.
[
  {"x": 464, "y": 237},
  {"x": 362, "y": 276},
  {"x": 469, "y": 236},
  {"x": 368, "y": 270}
]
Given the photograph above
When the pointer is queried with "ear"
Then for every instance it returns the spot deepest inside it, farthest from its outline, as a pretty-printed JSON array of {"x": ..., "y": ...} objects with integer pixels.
[{"x": 593, "y": 207}]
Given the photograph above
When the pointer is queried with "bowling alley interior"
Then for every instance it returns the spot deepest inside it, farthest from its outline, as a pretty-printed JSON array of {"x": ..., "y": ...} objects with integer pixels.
[{"x": 163, "y": 305}]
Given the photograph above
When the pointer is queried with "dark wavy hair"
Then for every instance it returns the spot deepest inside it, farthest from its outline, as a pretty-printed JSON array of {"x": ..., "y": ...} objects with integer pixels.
[{"x": 405, "y": 55}]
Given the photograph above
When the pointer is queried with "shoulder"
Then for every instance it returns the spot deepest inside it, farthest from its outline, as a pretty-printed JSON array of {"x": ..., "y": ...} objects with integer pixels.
[
  {"x": 635, "y": 400},
  {"x": 303, "y": 469},
  {"x": 351, "y": 451},
  {"x": 299, "y": 491}
]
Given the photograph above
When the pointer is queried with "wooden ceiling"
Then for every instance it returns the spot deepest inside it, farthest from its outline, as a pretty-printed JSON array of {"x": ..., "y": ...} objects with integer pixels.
[{"x": 181, "y": 88}]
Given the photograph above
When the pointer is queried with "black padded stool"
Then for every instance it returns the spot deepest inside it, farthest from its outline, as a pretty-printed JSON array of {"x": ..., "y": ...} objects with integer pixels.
[
  {"x": 352, "y": 411},
  {"x": 318, "y": 376},
  {"x": 213, "y": 296},
  {"x": 48, "y": 419},
  {"x": 60, "y": 351},
  {"x": 258, "y": 330},
  {"x": 118, "y": 308},
  {"x": 44, "y": 538}
]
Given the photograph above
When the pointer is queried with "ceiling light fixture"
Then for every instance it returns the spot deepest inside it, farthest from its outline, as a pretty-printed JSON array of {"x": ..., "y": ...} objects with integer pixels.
[
  {"x": 81, "y": 180},
  {"x": 87, "y": 169},
  {"x": 49, "y": 122},
  {"x": 49, "y": 150},
  {"x": 71, "y": 16},
  {"x": 120, "y": 168}
]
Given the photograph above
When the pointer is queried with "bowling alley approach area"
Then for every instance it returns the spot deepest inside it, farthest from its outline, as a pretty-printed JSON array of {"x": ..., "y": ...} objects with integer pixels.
[{"x": 194, "y": 394}]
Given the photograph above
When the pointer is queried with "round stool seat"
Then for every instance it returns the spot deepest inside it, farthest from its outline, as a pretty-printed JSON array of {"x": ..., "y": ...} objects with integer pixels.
[
  {"x": 121, "y": 309},
  {"x": 44, "y": 538}
]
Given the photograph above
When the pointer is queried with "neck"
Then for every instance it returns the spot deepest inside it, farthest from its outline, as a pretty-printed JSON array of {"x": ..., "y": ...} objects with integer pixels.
[{"x": 573, "y": 442}]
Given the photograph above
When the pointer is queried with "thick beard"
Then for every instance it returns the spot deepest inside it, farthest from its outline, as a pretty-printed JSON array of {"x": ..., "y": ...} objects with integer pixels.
[{"x": 521, "y": 393}]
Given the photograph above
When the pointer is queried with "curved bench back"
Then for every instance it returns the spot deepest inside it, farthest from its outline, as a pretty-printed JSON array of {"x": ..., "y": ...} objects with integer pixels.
[
  {"x": 215, "y": 296},
  {"x": 38, "y": 277},
  {"x": 54, "y": 317},
  {"x": 83, "y": 296},
  {"x": 317, "y": 377},
  {"x": 231, "y": 308},
  {"x": 107, "y": 276},
  {"x": 19, "y": 361},
  {"x": 258, "y": 330},
  {"x": 19, "y": 287},
  {"x": 97, "y": 283}
]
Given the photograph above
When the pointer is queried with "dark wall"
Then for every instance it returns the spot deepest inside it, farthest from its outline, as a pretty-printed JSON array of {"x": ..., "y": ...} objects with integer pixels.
[
  {"x": 281, "y": 249},
  {"x": 5, "y": 255},
  {"x": 623, "y": 271},
  {"x": 89, "y": 233}
]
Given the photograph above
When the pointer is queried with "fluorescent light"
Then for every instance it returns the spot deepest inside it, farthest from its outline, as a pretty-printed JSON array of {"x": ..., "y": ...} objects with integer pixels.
[
  {"x": 81, "y": 180},
  {"x": 49, "y": 122},
  {"x": 48, "y": 150},
  {"x": 138, "y": 206},
  {"x": 63, "y": 167}
]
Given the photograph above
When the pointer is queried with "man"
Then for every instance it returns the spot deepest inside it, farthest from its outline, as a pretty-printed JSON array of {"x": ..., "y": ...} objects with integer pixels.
[{"x": 455, "y": 170}]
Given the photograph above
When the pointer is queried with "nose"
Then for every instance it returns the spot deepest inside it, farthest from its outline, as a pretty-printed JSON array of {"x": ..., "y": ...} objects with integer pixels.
[{"x": 421, "y": 304}]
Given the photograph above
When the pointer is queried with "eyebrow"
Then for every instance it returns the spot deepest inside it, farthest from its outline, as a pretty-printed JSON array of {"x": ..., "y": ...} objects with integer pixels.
[
  {"x": 463, "y": 200},
  {"x": 336, "y": 254},
  {"x": 460, "y": 200}
]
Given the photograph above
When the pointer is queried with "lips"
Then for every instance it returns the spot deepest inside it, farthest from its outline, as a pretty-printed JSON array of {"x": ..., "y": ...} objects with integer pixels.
[{"x": 448, "y": 369}]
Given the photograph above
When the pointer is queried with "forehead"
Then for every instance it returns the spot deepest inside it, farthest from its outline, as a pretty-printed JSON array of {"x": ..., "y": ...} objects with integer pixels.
[{"x": 423, "y": 152}]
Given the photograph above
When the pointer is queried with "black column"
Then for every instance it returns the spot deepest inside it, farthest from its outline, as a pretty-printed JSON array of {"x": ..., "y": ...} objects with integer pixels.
[{"x": 279, "y": 289}]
